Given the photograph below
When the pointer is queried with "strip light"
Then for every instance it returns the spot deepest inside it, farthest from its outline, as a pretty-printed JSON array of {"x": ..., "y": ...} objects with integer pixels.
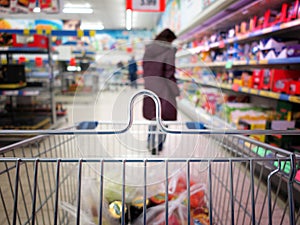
[
  {"x": 37, "y": 10},
  {"x": 92, "y": 26},
  {"x": 128, "y": 19},
  {"x": 78, "y": 10}
]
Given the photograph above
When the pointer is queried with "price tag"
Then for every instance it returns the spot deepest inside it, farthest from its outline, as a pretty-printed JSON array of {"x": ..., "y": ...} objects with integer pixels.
[
  {"x": 263, "y": 62},
  {"x": 253, "y": 91},
  {"x": 228, "y": 64},
  {"x": 295, "y": 99},
  {"x": 264, "y": 93},
  {"x": 48, "y": 31},
  {"x": 92, "y": 33},
  {"x": 10, "y": 93},
  {"x": 26, "y": 31},
  {"x": 274, "y": 95},
  {"x": 267, "y": 30},
  {"x": 39, "y": 31},
  {"x": 226, "y": 86},
  {"x": 4, "y": 48},
  {"x": 245, "y": 90},
  {"x": 80, "y": 33}
]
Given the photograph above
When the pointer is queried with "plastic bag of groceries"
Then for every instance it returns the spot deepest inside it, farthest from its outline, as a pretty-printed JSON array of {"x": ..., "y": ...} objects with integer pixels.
[
  {"x": 89, "y": 207},
  {"x": 177, "y": 209},
  {"x": 132, "y": 183}
]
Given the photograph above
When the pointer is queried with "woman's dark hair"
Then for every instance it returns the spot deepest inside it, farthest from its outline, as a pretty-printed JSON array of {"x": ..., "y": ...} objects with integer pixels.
[{"x": 166, "y": 35}]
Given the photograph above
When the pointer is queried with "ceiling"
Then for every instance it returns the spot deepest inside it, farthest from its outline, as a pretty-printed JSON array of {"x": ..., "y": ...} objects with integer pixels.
[{"x": 110, "y": 13}]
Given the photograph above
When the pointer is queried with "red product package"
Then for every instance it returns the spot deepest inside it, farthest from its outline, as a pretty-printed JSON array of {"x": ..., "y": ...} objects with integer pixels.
[
  {"x": 292, "y": 11},
  {"x": 281, "y": 79},
  {"x": 294, "y": 87},
  {"x": 37, "y": 41}
]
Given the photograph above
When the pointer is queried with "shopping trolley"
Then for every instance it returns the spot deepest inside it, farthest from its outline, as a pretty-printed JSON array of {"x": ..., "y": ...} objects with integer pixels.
[{"x": 64, "y": 176}]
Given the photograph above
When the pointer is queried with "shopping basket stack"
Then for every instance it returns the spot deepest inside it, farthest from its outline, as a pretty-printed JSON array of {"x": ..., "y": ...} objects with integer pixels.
[{"x": 103, "y": 173}]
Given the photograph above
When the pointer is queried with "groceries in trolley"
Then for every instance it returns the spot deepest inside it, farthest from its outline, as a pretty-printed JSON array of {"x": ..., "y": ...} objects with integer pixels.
[{"x": 125, "y": 204}]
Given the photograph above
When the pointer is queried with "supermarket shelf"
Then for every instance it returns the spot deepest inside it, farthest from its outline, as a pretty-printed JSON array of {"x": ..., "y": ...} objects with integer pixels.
[
  {"x": 22, "y": 50},
  {"x": 234, "y": 14},
  {"x": 258, "y": 34},
  {"x": 26, "y": 123},
  {"x": 250, "y": 63},
  {"x": 37, "y": 74},
  {"x": 200, "y": 115},
  {"x": 72, "y": 33},
  {"x": 284, "y": 27},
  {"x": 84, "y": 52},
  {"x": 246, "y": 90},
  {"x": 61, "y": 33},
  {"x": 21, "y": 92}
]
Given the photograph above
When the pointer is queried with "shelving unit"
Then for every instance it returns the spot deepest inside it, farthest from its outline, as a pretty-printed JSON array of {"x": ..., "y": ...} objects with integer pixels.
[
  {"x": 249, "y": 64},
  {"x": 245, "y": 90},
  {"x": 30, "y": 114},
  {"x": 290, "y": 26},
  {"x": 44, "y": 76},
  {"x": 188, "y": 58}
]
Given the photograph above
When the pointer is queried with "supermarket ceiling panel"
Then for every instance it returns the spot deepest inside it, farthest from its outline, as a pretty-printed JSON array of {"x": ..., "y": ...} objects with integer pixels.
[{"x": 104, "y": 14}]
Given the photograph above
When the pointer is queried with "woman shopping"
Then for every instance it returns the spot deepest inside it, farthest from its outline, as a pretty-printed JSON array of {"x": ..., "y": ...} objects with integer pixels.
[{"x": 159, "y": 77}]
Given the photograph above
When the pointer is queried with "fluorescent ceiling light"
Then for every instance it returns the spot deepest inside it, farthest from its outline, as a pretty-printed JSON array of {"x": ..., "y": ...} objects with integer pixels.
[
  {"x": 73, "y": 68},
  {"x": 70, "y": 5},
  {"x": 37, "y": 10},
  {"x": 92, "y": 26},
  {"x": 128, "y": 19},
  {"x": 78, "y": 10}
]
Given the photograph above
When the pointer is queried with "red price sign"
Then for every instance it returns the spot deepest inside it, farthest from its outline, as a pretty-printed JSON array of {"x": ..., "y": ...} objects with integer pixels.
[{"x": 146, "y": 6}]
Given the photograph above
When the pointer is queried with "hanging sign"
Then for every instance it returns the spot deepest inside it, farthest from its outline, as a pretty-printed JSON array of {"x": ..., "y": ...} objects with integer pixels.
[{"x": 146, "y": 5}]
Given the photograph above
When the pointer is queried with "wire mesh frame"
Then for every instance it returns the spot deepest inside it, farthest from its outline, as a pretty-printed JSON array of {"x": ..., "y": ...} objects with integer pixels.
[
  {"x": 56, "y": 150},
  {"x": 218, "y": 189},
  {"x": 40, "y": 166}
]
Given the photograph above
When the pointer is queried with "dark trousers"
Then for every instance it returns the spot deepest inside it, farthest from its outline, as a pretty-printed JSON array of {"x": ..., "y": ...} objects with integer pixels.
[{"x": 152, "y": 137}]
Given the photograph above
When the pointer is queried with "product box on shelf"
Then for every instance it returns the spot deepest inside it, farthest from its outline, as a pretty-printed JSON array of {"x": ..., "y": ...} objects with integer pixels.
[
  {"x": 271, "y": 49},
  {"x": 292, "y": 11},
  {"x": 242, "y": 28},
  {"x": 281, "y": 79},
  {"x": 261, "y": 79},
  {"x": 274, "y": 79},
  {"x": 247, "y": 80},
  {"x": 259, "y": 23},
  {"x": 294, "y": 87},
  {"x": 282, "y": 141},
  {"x": 269, "y": 18},
  {"x": 282, "y": 86},
  {"x": 284, "y": 110},
  {"x": 253, "y": 124},
  {"x": 252, "y": 23},
  {"x": 36, "y": 41},
  {"x": 293, "y": 51},
  {"x": 238, "y": 82},
  {"x": 273, "y": 17},
  {"x": 12, "y": 76},
  {"x": 6, "y": 39}
]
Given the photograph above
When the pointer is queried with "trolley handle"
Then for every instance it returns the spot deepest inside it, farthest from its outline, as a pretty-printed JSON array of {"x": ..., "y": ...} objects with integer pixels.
[{"x": 88, "y": 127}]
